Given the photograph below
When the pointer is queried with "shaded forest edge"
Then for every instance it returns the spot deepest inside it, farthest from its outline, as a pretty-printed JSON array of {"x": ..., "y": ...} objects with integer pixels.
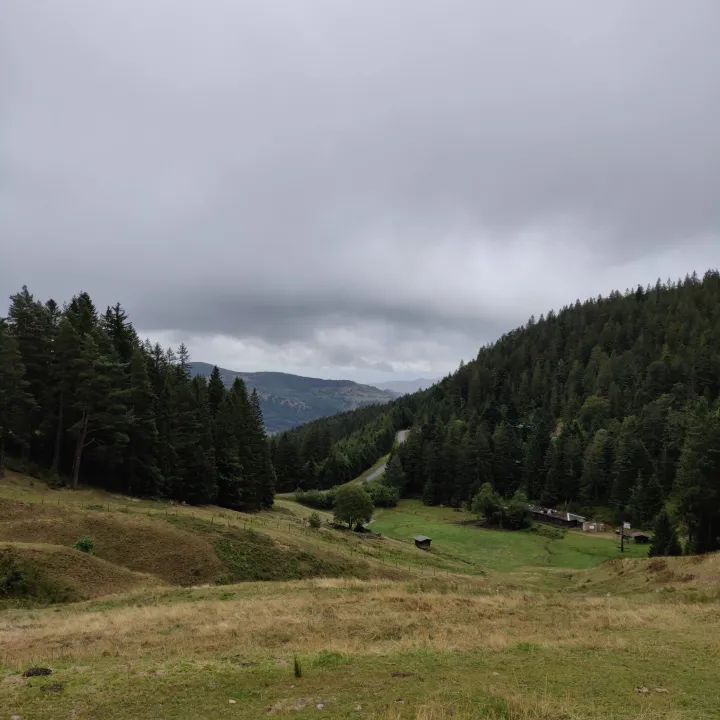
[
  {"x": 81, "y": 397},
  {"x": 605, "y": 407}
]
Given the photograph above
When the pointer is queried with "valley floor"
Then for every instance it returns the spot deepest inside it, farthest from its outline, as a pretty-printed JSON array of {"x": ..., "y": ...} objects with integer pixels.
[{"x": 512, "y": 626}]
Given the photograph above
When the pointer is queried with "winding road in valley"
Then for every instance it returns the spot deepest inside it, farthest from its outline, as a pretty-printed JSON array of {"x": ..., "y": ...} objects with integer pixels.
[{"x": 400, "y": 437}]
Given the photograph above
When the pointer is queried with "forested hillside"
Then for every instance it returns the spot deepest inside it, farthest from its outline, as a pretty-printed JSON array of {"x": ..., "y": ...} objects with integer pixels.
[
  {"x": 82, "y": 397},
  {"x": 608, "y": 403}
]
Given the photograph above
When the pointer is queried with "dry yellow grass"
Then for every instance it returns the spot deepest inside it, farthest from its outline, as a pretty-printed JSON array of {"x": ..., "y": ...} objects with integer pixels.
[
  {"x": 402, "y": 644},
  {"x": 349, "y": 617},
  {"x": 697, "y": 574},
  {"x": 519, "y": 656}
]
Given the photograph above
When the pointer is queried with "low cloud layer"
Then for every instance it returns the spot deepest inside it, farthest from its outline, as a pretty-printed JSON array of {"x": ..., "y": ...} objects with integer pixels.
[{"x": 354, "y": 189}]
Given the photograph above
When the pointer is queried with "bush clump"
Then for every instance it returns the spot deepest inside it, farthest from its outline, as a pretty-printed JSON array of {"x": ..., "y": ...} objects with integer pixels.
[
  {"x": 314, "y": 521},
  {"x": 85, "y": 544},
  {"x": 511, "y": 514},
  {"x": 383, "y": 495},
  {"x": 553, "y": 533},
  {"x": 318, "y": 499}
]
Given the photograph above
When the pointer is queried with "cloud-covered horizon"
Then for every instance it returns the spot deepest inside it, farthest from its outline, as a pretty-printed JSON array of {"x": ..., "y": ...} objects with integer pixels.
[{"x": 370, "y": 190}]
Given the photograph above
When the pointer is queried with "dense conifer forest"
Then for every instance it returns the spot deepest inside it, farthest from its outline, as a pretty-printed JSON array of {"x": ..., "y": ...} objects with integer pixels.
[
  {"x": 82, "y": 398},
  {"x": 608, "y": 406}
]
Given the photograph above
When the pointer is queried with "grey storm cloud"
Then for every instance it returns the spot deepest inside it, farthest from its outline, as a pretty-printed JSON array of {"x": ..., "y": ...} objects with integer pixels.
[{"x": 355, "y": 185}]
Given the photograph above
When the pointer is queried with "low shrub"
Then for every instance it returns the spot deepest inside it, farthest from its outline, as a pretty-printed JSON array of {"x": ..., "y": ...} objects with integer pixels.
[
  {"x": 318, "y": 499},
  {"x": 548, "y": 531},
  {"x": 85, "y": 544},
  {"x": 382, "y": 495}
]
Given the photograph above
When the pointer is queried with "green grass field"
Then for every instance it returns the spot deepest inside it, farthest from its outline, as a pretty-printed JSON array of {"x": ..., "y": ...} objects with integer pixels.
[{"x": 483, "y": 549}]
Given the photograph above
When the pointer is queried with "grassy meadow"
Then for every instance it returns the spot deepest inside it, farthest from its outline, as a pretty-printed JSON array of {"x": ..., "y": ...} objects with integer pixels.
[
  {"x": 200, "y": 613},
  {"x": 457, "y": 539}
]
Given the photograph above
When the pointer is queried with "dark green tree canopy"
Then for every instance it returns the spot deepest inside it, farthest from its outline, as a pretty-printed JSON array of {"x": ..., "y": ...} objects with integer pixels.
[
  {"x": 352, "y": 505},
  {"x": 82, "y": 396}
]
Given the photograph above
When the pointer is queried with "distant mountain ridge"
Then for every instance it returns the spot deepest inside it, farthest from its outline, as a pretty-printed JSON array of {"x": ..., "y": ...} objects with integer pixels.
[
  {"x": 404, "y": 387},
  {"x": 288, "y": 400}
]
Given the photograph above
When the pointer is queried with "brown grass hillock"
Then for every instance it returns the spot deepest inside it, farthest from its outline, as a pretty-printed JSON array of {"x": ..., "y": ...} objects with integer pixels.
[{"x": 60, "y": 574}]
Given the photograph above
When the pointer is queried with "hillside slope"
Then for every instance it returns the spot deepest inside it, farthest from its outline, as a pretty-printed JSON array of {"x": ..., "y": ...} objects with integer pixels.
[
  {"x": 150, "y": 543},
  {"x": 288, "y": 400},
  {"x": 611, "y": 403},
  {"x": 60, "y": 574}
]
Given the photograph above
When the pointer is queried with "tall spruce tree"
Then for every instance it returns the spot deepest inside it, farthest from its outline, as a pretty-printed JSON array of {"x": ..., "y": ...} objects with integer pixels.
[
  {"x": 216, "y": 391},
  {"x": 665, "y": 541},
  {"x": 227, "y": 459},
  {"x": 265, "y": 474},
  {"x": 506, "y": 460},
  {"x": 100, "y": 397},
  {"x": 143, "y": 476},
  {"x": 697, "y": 486},
  {"x": 16, "y": 403},
  {"x": 30, "y": 323}
]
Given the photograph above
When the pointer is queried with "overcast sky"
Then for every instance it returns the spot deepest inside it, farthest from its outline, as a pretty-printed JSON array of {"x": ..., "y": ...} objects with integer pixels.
[{"x": 368, "y": 189}]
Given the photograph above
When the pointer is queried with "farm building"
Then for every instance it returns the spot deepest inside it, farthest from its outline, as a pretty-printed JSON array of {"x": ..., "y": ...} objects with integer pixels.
[
  {"x": 592, "y": 526},
  {"x": 556, "y": 517},
  {"x": 422, "y": 542}
]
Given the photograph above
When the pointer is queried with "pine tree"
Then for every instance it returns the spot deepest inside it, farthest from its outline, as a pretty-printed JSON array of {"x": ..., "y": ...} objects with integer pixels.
[
  {"x": 100, "y": 402},
  {"x": 242, "y": 426},
  {"x": 394, "y": 473},
  {"x": 262, "y": 465},
  {"x": 197, "y": 474},
  {"x": 229, "y": 469},
  {"x": 141, "y": 468},
  {"x": 506, "y": 460},
  {"x": 29, "y": 322},
  {"x": 629, "y": 461},
  {"x": 665, "y": 541},
  {"x": 597, "y": 465},
  {"x": 120, "y": 331},
  {"x": 697, "y": 485},
  {"x": 552, "y": 465},
  {"x": 429, "y": 493},
  {"x": 286, "y": 461},
  {"x": 216, "y": 391},
  {"x": 16, "y": 403},
  {"x": 535, "y": 452}
]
